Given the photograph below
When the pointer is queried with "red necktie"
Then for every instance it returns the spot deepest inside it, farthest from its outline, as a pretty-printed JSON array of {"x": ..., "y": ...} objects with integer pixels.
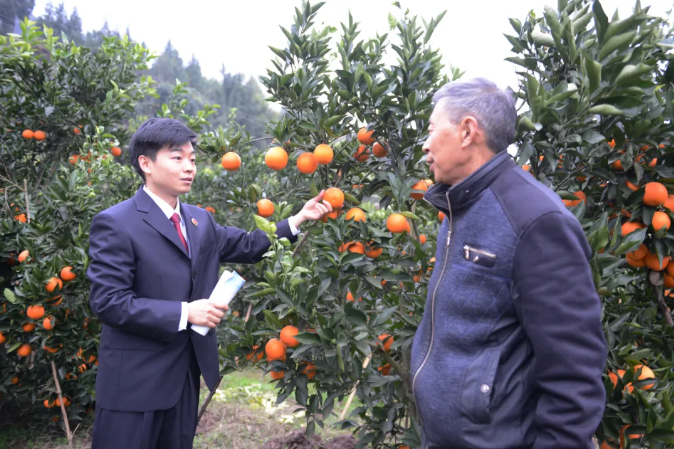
[{"x": 175, "y": 219}]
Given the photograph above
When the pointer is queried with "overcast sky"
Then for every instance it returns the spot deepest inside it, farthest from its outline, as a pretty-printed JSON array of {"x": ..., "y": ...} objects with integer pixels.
[{"x": 238, "y": 33}]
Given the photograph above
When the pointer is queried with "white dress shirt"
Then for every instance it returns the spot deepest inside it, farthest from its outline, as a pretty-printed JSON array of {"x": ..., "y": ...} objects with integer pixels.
[{"x": 169, "y": 211}]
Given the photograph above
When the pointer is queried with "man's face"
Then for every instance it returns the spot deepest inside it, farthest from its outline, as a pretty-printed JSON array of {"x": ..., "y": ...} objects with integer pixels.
[
  {"x": 446, "y": 156},
  {"x": 173, "y": 170}
]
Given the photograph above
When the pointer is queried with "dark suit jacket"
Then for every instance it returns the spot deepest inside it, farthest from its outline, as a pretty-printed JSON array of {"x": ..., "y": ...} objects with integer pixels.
[{"x": 140, "y": 273}]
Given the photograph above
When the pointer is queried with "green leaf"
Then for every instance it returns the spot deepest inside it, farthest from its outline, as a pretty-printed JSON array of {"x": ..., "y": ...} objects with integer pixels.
[
  {"x": 308, "y": 338},
  {"x": 333, "y": 120},
  {"x": 351, "y": 199},
  {"x": 605, "y": 109},
  {"x": 409, "y": 215},
  {"x": 615, "y": 43},
  {"x": 593, "y": 69},
  {"x": 10, "y": 296},
  {"x": 516, "y": 24},
  {"x": 543, "y": 39},
  {"x": 355, "y": 317},
  {"x": 631, "y": 72},
  {"x": 631, "y": 242},
  {"x": 262, "y": 224},
  {"x": 384, "y": 315},
  {"x": 593, "y": 137}
]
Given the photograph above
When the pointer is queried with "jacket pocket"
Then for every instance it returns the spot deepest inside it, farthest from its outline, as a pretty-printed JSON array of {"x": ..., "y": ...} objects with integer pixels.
[
  {"x": 479, "y": 256},
  {"x": 478, "y": 386}
]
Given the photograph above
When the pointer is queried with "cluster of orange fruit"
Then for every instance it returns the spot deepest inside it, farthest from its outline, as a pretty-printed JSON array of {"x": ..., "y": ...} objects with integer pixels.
[
  {"x": 38, "y": 135},
  {"x": 277, "y": 348},
  {"x": 36, "y": 312}
]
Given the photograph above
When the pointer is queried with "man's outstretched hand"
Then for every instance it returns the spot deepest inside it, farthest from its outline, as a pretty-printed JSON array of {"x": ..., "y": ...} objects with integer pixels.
[
  {"x": 313, "y": 209},
  {"x": 205, "y": 313}
]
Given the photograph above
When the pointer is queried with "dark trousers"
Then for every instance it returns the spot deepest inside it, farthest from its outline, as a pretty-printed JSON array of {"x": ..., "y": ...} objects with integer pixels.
[{"x": 173, "y": 428}]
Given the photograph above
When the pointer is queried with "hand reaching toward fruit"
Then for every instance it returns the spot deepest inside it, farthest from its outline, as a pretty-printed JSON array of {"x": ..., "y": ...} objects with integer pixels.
[{"x": 313, "y": 209}]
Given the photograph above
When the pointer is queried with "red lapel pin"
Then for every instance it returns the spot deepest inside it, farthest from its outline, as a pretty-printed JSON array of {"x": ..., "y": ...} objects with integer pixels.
[{"x": 194, "y": 222}]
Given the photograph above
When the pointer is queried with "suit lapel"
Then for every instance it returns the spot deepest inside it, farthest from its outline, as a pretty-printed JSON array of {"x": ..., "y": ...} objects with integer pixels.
[
  {"x": 154, "y": 216},
  {"x": 192, "y": 233}
]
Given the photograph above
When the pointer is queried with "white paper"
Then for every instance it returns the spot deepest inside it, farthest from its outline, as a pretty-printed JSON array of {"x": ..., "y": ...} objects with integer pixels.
[{"x": 225, "y": 290}]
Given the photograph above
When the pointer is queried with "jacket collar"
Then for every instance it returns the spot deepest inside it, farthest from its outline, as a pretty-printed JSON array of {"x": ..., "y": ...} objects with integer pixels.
[
  {"x": 461, "y": 194},
  {"x": 156, "y": 218}
]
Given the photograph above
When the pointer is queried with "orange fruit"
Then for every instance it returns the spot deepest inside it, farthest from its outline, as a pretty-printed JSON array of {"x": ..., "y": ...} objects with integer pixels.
[
  {"x": 35, "y": 312},
  {"x": 27, "y": 134},
  {"x": 39, "y": 135},
  {"x": 639, "y": 253},
  {"x": 21, "y": 218},
  {"x": 67, "y": 275},
  {"x": 611, "y": 143},
  {"x": 306, "y": 163},
  {"x": 309, "y": 370},
  {"x": 421, "y": 185},
  {"x": 636, "y": 263},
  {"x": 660, "y": 220},
  {"x": 422, "y": 239},
  {"x": 265, "y": 208},
  {"x": 356, "y": 247},
  {"x": 387, "y": 341},
  {"x": 275, "y": 349},
  {"x": 361, "y": 154},
  {"x": 288, "y": 336},
  {"x": 3, "y": 339},
  {"x": 669, "y": 203},
  {"x": 349, "y": 297},
  {"x": 23, "y": 255},
  {"x": 116, "y": 151},
  {"x": 379, "y": 150},
  {"x": 441, "y": 216},
  {"x": 51, "y": 350},
  {"x": 632, "y": 186},
  {"x": 655, "y": 194},
  {"x": 630, "y": 226},
  {"x": 526, "y": 167},
  {"x": 24, "y": 351},
  {"x": 373, "y": 252},
  {"x": 651, "y": 261},
  {"x": 357, "y": 214},
  {"x": 231, "y": 161},
  {"x": 28, "y": 327},
  {"x": 617, "y": 165},
  {"x": 646, "y": 373},
  {"x": 255, "y": 353},
  {"x": 276, "y": 375},
  {"x": 384, "y": 370},
  {"x": 581, "y": 197},
  {"x": 334, "y": 214},
  {"x": 52, "y": 283},
  {"x": 77, "y": 130},
  {"x": 669, "y": 281},
  {"x": 365, "y": 136},
  {"x": 48, "y": 404},
  {"x": 397, "y": 223},
  {"x": 402, "y": 446},
  {"x": 48, "y": 323},
  {"x": 210, "y": 209},
  {"x": 335, "y": 197},
  {"x": 15, "y": 380},
  {"x": 73, "y": 159},
  {"x": 323, "y": 154},
  {"x": 55, "y": 301},
  {"x": 670, "y": 270},
  {"x": 276, "y": 158}
]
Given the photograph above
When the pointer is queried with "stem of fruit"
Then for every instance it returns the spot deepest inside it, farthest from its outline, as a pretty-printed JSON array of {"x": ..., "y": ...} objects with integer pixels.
[
  {"x": 211, "y": 393},
  {"x": 353, "y": 393},
  {"x": 63, "y": 406},
  {"x": 663, "y": 305},
  {"x": 25, "y": 195}
]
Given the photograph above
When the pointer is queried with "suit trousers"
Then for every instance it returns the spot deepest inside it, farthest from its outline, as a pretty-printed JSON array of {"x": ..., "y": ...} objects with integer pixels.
[{"x": 173, "y": 428}]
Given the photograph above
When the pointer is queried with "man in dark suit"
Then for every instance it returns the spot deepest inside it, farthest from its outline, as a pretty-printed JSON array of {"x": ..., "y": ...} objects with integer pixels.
[{"x": 153, "y": 259}]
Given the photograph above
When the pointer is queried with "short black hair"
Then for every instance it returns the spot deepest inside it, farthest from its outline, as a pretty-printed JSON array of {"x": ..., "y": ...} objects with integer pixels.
[{"x": 153, "y": 135}]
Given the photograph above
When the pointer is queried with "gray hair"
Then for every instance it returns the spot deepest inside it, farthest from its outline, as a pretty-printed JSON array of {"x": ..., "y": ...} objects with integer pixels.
[{"x": 493, "y": 108}]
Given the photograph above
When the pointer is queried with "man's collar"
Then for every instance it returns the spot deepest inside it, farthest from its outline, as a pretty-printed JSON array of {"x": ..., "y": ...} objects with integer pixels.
[{"x": 163, "y": 205}]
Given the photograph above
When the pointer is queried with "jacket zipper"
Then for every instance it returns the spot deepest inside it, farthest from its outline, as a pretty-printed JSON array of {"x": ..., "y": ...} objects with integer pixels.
[{"x": 442, "y": 273}]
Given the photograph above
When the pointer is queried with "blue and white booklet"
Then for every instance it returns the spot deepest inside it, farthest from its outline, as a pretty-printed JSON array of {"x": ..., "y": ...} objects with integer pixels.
[{"x": 225, "y": 290}]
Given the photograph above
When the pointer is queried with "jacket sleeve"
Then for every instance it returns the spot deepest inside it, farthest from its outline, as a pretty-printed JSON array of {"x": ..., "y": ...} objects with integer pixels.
[
  {"x": 111, "y": 273},
  {"x": 560, "y": 312},
  {"x": 238, "y": 246}
]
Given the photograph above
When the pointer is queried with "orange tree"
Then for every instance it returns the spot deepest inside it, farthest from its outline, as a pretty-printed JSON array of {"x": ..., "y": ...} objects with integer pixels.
[
  {"x": 597, "y": 128},
  {"x": 61, "y": 132},
  {"x": 357, "y": 281}
]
